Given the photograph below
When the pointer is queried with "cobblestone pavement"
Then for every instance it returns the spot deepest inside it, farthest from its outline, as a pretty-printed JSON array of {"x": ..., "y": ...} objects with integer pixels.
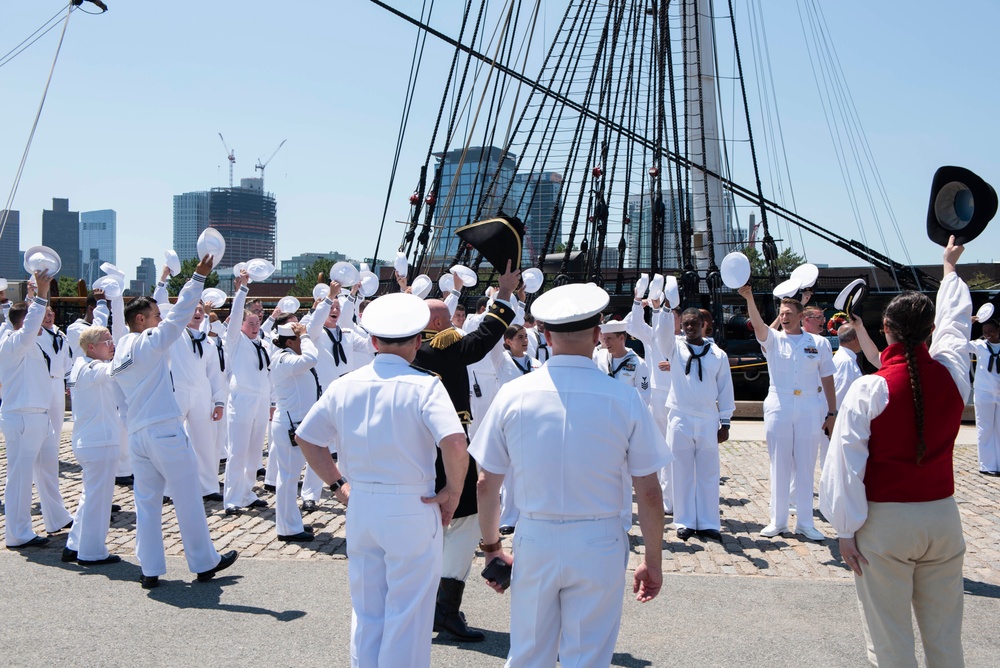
[{"x": 743, "y": 492}]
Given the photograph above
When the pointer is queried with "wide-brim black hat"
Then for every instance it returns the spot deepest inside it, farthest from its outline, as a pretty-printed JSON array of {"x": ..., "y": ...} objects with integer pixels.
[
  {"x": 961, "y": 203},
  {"x": 851, "y": 298},
  {"x": 499, "y": 239}
]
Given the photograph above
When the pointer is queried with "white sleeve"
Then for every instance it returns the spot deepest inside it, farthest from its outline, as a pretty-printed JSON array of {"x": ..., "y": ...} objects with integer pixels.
[
  {"x": 118, "y": 328},
  {"x": 233, "y": 331},
  {"x": 952, "y": 326},
  {"x": 637, "y": 326},
  {"x": 101, "y": 313},
  {"x": 663, "y": 331},
  {"x": 318, "y": 320},
  {"x": 642, "y": 380},
  {"x": 842, "y": 496},
  {"x": 171, "y": 327},
  {"x": 826, "y": 367},
  {"x": 727, "y": 397},
  {"x": 451, "y": 301}
]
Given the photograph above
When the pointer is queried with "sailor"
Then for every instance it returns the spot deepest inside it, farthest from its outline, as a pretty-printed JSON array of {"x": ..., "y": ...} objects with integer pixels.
[
  {"x": 701, "y": 404},
  {"x": 986, "y": 397},
  {"x": 216, "y": 332},
  {"x": 796, "y": 361},
  {"x": 24, "y": 375},
  {"x": 620, "y": 362},
  {"x": 458, "y": 317},
  {"x": 447, "y": 353},
  {"x": 250, "y": 404},
  {"x": 537, "y": 346},
  {"x": 853, "y": 339},
  {"x": 97, "y": 311},
  {"x": 394, "y": 519},
  {"x": 161, "y": 453},
  {"x": 570, "y": 548}
]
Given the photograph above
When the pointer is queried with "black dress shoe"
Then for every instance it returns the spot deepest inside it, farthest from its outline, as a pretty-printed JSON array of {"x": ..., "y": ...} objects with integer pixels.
[
  {"x": 37, "y": 541},
  {"x": 63, "y": 528},
  {"x": 125, "y": 480},
  {"x": 68, "y": 555},
  {"x": 228, "y": 559},
  {"x": 710, "y": 534},
  {"x": 167, "y": 501},
  {"x": 270, "y": 488},
  {"x": 258, "y": 503},
  {"x": 233, "y": 511},
  {"x": 308, "y": 506},
  {"x": 110, "y": 559},
  {"x": 212, "y": 497},
  {"x": 301, "y": 537},
  {"x": 506, "y": 530},
  {"x": 115, "y": 508},
  {"x": 261, "y": 472},
  {"x": 149, "y": 581},
  {"x": 684, "y": 533}
]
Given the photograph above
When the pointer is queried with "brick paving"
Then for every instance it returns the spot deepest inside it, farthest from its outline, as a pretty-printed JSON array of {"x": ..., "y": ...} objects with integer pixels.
[{"x": 744, "y": 500}]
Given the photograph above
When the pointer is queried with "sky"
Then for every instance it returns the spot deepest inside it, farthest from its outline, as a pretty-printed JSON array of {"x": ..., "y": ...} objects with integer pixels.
[{"x": 140, "y": 94}]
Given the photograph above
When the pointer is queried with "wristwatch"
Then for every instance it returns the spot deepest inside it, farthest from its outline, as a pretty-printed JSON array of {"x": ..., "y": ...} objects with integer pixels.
[
  {"x": 491, "y": 547},
  {"x": 337, "y": 485}
]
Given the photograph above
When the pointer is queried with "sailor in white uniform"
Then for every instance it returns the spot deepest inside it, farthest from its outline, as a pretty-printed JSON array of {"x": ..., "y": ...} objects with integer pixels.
[
  {"x": 701, "y": 404},
  {"x": 795, "y": 360},
  {"x": 986, "y": 397},
  {"x": 570, "y": 549},
  {"x": 161, "y": 453},
  {"x": 97, "y": 314},
  {"x": 538, "y": 347},
  {"x": 24, "y": 375},
  {"x": 384, "y": 420},
  {"x": 620, "y": 362}
]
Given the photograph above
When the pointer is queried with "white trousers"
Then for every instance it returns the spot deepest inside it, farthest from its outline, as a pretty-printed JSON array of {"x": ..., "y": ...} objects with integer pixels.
[
  {"x": 248, "y": 417},
  {"x": 196, "y": 405},
  {"x": 394, "y": 565},
  {"x": 461, "y": 538},
  {"x": 123, "y": 467},
  {"x": 660, "y": 412},
  {"x": 566, "y": 592},
  {"x": 287, "y": 461},
  {"x": 93, "y": 516},
  {"x": 222, "y": 434},
  {"x": 792, "y": 426},
  {"x": 23, "y": 434},
  {"x": 46, "y": 470},
  {"x": 988, "y": 430},
  {"x": 694, "y": 441},
  {"x": 270, "y": 465},
  {"x": 161, "y": 456}
]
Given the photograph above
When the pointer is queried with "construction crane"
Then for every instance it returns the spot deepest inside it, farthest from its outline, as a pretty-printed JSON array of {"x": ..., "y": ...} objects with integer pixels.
[
  {"x": 261, "y": 165},
  {"x": 232, "y": 158}
]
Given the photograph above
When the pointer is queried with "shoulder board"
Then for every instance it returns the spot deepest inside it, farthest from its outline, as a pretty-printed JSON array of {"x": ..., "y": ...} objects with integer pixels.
[
  {"x": 501, "y": 312},
  {"x": 421, "y": 370}
]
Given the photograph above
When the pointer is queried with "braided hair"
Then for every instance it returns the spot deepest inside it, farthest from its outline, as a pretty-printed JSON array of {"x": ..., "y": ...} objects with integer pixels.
[{"x": 910, "y": 319}]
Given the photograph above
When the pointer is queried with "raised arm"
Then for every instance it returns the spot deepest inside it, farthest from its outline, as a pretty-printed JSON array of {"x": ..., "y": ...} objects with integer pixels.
[
  {"x": 233, "y": 331},
  {"x": 171, "y": 327},
  {"x": 760, "y": 328},
  {"x": 953, "y": 321}
]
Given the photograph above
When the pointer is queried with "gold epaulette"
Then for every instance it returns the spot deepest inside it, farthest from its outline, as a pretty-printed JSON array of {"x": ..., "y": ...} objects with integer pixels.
[{"x": 445, "y": 338}]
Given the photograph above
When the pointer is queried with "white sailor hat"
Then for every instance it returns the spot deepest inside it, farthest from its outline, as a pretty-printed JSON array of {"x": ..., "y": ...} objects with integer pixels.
[
  {"x": 42, "y": 258},
  {"x": 614, "y": 327},
  {"x": 571, "y": 308},
  {"x": 285, "y": 330},
  {"x": 396, "y": 316}
]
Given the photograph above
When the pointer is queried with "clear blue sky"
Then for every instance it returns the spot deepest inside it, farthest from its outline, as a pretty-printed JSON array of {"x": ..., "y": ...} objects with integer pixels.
[{"x": 141, "y": 92}]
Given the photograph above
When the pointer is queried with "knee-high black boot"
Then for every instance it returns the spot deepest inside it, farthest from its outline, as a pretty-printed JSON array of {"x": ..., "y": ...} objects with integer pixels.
[{"x": 448, "y": 617}]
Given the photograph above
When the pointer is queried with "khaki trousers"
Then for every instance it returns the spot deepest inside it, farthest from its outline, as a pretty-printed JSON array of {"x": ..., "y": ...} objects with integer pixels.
[{"x": 915, "y": 553}]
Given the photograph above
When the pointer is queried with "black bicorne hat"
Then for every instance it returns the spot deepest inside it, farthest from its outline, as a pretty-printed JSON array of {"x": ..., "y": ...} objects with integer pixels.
[
  {"x": 499, "y": 239},
  {"x": 961, "y": 203}
]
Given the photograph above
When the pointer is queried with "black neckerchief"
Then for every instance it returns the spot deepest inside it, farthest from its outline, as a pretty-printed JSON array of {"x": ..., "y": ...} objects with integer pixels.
[
  {"x": 523, "y": 369},
  {"x": 695, "y": 356},
  {"x": 993, "y": 365},
  {"x": 196, "y": 344},
  {"x": 319, "y": 388},
  {"x": 48, "y": 360},
  {"x": 57, "y": 339},
  {"x": 338, "y": 347},
  {"x": 611, "y": 360},
  {"x": 263, "y": 359},
  {"x": 222, "y": 357},
  {"x": 541, "y": 346}
]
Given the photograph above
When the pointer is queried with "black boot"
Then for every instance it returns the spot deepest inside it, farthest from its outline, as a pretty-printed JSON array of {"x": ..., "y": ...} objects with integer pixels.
[{"x": 447, "y": 616}]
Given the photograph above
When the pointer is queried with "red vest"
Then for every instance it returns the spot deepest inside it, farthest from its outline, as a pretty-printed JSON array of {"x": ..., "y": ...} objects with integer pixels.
[{"x": 893, "y": 474}]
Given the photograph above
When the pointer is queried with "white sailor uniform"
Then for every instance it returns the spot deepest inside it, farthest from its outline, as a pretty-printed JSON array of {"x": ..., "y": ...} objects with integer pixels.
[
  {"x": 537, "y": 346},
  {"x": 385, "y": 420},
  {"x": 59, "y": 362},
  {"x": 986, "y": 398}
]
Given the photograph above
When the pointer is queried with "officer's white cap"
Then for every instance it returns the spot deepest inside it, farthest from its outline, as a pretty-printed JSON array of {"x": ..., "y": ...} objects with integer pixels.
[
  {"x": 396, "y": 316},
  {"x": 613, "y": 327},
  {"x": 571, "y": 308}
]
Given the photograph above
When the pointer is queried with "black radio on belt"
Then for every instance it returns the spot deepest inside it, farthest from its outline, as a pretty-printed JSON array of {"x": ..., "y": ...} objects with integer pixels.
[{"x": 475, "y": 386}]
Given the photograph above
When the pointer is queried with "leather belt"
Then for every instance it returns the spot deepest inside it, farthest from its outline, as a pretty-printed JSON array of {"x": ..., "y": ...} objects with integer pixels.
[{"x": 383, "y": 488}]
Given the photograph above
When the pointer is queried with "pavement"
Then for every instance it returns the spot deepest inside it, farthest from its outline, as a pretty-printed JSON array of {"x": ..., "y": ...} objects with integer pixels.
[{"x": 748, "y": 601}]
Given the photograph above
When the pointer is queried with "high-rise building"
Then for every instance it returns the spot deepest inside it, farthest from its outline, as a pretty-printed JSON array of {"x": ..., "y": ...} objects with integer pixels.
[
  {"x": 11, "y": 255},
  {"x": 145, "y": 278},
  {"x": 61, "y": 233},
  {"x": 190, "y": 220},
  {"x": 536, "y": 201},
  {"x": 247, "y": 219},
  {"x": 299, "y": 263},
  {"x": 97, "y": 242},
  {"x": 465, "y": 193},
  {"x": 639, "y": 233}
]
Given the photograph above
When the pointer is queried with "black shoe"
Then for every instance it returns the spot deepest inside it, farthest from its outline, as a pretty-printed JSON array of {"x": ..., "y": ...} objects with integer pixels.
[
  {"x": 258, "y": 503},
  {"x": 212, "y": 497},
  {"x": 233, "y": 511},
  {"x": 270, "y": 488},
  {"x": 506, "y": 530},
  {"x": 68, "y": 555},
  {"x": 301, "y": 537},
  {"x": 115, "y": 508},
  {"x": 447, "y": 616},
  {"x": 684, "y": 533},
  {"x": 149, "y": 581},
  {"x": 261, "y": 472},
  {"x": 125, "y": 480},
  {"x": 64, "y": 528},
  {"x": 228, "y": 559},
  {"x": 37, "y": 541},
  {"x": 110, "y": 559},
  {"x": 167, "y": 501},
  {"x": 308, "y": 506},
  {"x": 710, "y": 534}
]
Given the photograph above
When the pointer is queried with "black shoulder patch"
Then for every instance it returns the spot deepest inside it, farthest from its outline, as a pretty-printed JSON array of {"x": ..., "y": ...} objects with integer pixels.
[{"x": 422, "y": 370}]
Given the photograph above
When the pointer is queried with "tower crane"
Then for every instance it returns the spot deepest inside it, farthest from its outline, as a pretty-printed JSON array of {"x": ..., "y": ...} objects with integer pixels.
[
  {"x": 232, "y": 159},
  {"x": 261, "y": 165}
]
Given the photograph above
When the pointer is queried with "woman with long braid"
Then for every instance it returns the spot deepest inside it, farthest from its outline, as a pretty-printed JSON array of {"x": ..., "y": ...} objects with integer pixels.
[{"x": 888, "y": 482}]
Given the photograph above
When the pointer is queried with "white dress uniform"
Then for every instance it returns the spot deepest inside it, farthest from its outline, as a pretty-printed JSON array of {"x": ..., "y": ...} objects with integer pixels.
[
  {"x": 537, "y": 346},
  {"x": 101, "y": 312},
  {"x": 296, "y": 389},
  {"x": 630, "y": 370},
  {"x": 700, "y": 401},
  {"x": 565, "y": 432},
  {"x": 98, "y": 433},
  {"x": 792, "y": 421},
  {"x": 385, "y": 420},
  {"x": 221, "y": 427},
  {"x": 846, "y": 370},
  {"x": 249, "y": 407},
  {"x": 510, "y": 369},
  {"x": 59, "y": 362},
  {"x": 161, "y": 452},
  {"x": 986, "y": 398},
  {"x": 24, "y": 418},
  {"x": 199, "y": 386}
]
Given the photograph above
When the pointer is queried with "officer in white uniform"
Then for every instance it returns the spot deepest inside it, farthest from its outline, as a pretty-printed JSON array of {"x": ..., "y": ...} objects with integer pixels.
[
  {"x": 384, "y": 420},
  {"x": 24, "y": 418},
  {"x": 795, "y": 359},
  {"x": 701, "y": 404},
  {"x": 161, "y": 453},
  {"x": 986, "y": 397},
  {"x": 571, "y": 551}
]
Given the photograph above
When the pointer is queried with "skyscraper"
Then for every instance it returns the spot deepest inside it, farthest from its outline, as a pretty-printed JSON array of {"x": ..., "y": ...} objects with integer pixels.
[
  {"x": 536, "y": 198},
  {"x": 61, "y": 233},
  {"x": 97, "y": 241},
  {"x": 190, "y": 220},
  {"x": 11, "y": 255},
  {"x": 145, "y": 278},
  {"x": 639, "y": 233},
  {"x": 466, "y": 176},
  {"x": 247, "y": 219}
]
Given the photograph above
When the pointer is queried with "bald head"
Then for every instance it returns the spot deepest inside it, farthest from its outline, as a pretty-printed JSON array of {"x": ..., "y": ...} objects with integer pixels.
[
  {"x": 440, "y": 315},
  {"x": 848, "y": 337}
]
